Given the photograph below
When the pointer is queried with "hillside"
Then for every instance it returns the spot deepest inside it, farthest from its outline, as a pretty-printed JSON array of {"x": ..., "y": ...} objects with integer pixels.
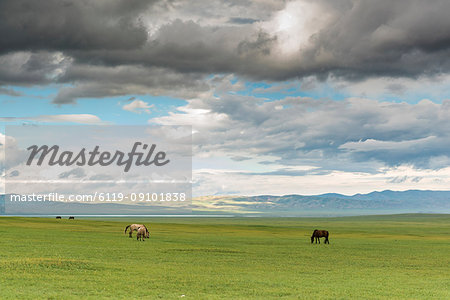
[
  {"x": 412, "y": 201},
  {"x": 385, "y": 202}
]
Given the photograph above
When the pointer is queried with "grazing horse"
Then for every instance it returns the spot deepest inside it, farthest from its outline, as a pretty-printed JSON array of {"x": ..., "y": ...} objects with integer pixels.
[
  {"x": 58, "y": 217},
  {"x": 71, "y": 218},
  {"x": 317, "y": 234},
  {"x": 134, "y": 227},
  {"x": 142, "y": 234}
]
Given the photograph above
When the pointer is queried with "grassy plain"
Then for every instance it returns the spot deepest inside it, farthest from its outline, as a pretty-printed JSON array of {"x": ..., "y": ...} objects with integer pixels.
[{"x": 372, "y": 257}]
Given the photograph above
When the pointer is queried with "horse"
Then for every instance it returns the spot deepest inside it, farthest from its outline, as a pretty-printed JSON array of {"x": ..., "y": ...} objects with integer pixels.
[
  {"x": 317, "y": 234},
  {"x": 58, "y": 217},
  {"x": 71, "y": 218},
  {"x": 134, "y": 227},
  {"x": 142, "y": 234}
]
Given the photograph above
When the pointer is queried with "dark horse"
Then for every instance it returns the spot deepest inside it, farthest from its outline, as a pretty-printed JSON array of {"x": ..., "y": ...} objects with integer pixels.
[
  {"x": 318, "y": 234},
  {"x": 71, "y": 218}
]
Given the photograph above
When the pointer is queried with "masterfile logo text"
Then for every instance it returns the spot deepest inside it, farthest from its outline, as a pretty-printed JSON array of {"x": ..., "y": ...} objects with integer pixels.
[{"x": 134, "y": 166}]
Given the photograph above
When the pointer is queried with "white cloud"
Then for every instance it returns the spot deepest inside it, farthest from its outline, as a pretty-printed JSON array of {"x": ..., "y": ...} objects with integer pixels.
[
  {"x": 374, "y": 145},
  {"x": 336, "y": 135},
  {"x": 296, "y": 24},
  {"x": 9, "y": 143},
  {"x": 432, "y": 87},
  {"x": 223, "y": 182},
  {"x": 71, "y": 118},
  {"x": 2, "y": 150},
  {"x": 138, "y": 106},
  {"x": 312, "y": 146}
]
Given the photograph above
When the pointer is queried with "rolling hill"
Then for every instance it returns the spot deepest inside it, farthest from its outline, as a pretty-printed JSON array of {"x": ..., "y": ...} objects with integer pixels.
[{"x": 385, "y": 202}]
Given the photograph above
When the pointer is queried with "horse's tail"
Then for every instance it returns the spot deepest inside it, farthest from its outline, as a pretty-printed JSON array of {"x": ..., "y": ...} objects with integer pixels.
[{"x": 126, "y": 228}]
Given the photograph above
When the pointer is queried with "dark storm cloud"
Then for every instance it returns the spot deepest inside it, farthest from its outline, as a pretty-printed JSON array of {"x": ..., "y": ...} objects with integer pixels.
[
  {"x": 101, "y": 81},
  {"x": 399, "y": 38},
  {"x": 360, "y": 38},
  {"x": 43, "y": 40},
  {"x": 63, "y": 25},
  {"x": 242, "y": 21},
  {"x": 25, "y": 68},
  {"x": 185, "y": 46}
]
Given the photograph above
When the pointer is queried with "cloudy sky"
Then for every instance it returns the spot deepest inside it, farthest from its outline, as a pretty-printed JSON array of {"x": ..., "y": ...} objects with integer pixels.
[{"x": 284, "y": 97}]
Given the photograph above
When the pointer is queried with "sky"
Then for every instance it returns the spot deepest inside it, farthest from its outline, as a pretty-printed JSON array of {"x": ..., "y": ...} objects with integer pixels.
[{"x": 284, "y": 97}]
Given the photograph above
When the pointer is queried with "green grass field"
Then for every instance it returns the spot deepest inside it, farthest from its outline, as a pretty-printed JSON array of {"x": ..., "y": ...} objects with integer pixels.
[{"x": 376, "y": 257}]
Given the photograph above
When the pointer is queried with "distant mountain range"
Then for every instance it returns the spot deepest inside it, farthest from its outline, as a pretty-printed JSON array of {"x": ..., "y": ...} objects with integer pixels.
[
  {"x": 386, "y": 202},
  {"x": 412, "y": 201}
]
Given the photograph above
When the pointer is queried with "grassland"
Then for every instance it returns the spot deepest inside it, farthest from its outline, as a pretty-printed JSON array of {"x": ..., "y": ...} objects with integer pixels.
[{"x": 377, "y": 257}]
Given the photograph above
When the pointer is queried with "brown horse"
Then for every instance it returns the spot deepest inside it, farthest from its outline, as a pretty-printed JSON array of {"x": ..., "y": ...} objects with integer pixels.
[
  {"x": 317, "y": 234},
  {"x": 134, "y": 227},
  {"x": 142, "y": 234}
]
